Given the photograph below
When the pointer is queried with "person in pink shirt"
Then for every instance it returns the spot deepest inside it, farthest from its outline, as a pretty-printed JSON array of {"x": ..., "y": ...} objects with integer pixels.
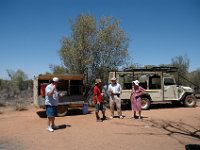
[{"x": 136, "y": 93}]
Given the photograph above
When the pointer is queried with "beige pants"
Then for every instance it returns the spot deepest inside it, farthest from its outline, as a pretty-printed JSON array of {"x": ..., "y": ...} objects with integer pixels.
[{"x": 115, "y": 100}]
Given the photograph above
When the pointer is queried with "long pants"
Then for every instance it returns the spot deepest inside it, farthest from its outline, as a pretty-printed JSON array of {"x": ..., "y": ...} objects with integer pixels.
[{"x": 115, "y": 100}]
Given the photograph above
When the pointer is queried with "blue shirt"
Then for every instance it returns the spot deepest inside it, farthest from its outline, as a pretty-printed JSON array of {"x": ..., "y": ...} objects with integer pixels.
[{"x": 51, "y": 100}]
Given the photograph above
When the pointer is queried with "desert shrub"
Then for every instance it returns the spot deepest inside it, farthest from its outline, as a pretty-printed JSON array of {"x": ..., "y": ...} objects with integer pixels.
[{"x": 20, "y": 105}]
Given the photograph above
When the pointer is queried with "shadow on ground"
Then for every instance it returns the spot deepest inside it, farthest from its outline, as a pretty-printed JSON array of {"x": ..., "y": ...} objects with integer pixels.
[
  {"x": 174, "y": 129},
  {"x": 71, "y": 112},
  {"x": 159, "y": 106}
]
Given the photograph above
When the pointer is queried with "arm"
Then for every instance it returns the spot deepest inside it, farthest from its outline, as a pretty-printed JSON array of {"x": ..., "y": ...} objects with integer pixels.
[
  {"x": 120, "y": 89},
  {"x": 141, "y": 91},
  {"x": 110, "y": 90},
  {"x": 50, "y": 93}
]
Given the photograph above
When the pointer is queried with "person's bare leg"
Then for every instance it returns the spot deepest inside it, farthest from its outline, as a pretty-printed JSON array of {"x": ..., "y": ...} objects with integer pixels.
[{"x": 140, "y": 117}]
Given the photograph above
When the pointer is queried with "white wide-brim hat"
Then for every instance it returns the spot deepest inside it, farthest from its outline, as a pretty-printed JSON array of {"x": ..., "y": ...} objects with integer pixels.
[
  {"x": 136, "y": 82},
  {"x": 55, "y": 79}
]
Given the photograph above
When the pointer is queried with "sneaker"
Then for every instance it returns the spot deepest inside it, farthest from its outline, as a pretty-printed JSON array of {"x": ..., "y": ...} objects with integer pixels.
[
  {"x": 111, "y": 117},
  {"x": 50, "y": 129},
  {"x": 121, "y": 117}
]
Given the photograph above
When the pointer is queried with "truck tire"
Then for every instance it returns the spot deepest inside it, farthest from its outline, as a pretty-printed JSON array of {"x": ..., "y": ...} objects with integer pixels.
[
  {"x": 190, "y": 101},
  {"x": 62, "y": 110},
  {"x": 145, "y": 102}
]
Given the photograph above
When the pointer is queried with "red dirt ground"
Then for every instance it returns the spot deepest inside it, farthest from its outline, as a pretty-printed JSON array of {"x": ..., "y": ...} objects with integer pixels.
[{"x": 166, "y": 128}]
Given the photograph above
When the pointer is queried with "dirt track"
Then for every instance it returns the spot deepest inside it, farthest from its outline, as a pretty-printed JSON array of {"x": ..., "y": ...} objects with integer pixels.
[{"x": 166, "y": 128}]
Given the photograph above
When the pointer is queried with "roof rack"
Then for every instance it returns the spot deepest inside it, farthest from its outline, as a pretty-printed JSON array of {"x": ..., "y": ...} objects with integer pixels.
[{"x": 160, "y": 68}]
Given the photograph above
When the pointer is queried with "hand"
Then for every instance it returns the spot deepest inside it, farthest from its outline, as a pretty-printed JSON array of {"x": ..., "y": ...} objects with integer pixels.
[{"x": 54, "y": 87}]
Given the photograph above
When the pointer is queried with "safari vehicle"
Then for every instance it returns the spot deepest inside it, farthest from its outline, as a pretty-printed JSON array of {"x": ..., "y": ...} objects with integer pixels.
[
  {"x": 70, "y": 91},
  {"x": 159, "y": 84}
]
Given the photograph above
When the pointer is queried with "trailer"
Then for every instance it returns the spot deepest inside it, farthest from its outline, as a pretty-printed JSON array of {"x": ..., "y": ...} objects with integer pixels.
[{"x": 70, "y": 91}]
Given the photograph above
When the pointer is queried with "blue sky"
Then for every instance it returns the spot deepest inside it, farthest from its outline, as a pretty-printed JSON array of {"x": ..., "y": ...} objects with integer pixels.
[{"x": 31, "y": 30}]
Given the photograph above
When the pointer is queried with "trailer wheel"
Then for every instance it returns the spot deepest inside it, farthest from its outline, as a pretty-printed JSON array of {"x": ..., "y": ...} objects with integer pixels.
[
  {"x": 190, "y": 101},
  {"x": 145, "y": 103},
  {"x": 62, "y": 110}
]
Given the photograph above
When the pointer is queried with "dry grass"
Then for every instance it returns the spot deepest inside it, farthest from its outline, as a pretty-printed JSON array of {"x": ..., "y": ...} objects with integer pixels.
[{"x": 20, "y": 106}]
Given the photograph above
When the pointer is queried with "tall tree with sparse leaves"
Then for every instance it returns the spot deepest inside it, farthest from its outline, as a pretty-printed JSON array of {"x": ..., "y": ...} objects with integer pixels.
[{"x": 94, "y": 47}]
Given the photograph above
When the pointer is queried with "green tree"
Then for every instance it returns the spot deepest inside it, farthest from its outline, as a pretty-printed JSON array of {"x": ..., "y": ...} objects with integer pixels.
[
  {"x": 182, "y": 63},
  {"x": 56, "y": 69},
  {"x": 76, "y": 50},
  {"x": 17, "y": 81},
  {"x": 195, "y": 78},
  {"x": 111, "y": 48},
  {"x": 94, "y": 47}
]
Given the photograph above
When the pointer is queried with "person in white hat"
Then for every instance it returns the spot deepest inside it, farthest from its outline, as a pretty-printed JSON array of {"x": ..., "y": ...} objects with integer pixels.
[
  {"x": 115, "y": 90},
  {"x": 136, "y": 93},
  {"x": 51, "y": 100}
]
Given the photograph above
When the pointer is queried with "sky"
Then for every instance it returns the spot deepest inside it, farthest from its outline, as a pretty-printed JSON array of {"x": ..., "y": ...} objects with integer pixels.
[{"x": 159, "y": 30}]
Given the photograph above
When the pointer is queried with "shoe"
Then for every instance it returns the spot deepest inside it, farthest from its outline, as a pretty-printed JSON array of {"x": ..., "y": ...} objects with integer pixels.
[
  {"x": 121, "y": 117},
  {"x": 111, "y": 117},
  {"x": 104, "y": 118},
  {"x": 55, "y": 127},
  {"x": 139, "y": 117},
  {"x": 99, "y": 120},
  {"x": 50, "y": 129}
]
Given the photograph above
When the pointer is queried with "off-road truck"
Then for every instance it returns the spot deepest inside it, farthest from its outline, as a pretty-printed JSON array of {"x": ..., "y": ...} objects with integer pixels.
[{"x": 159, "y": 84}]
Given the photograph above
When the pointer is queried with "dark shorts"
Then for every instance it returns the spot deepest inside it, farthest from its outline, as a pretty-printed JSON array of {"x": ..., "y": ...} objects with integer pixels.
[
  {"x": 100, "y": 106},
  {"x": 51, "y": 111}
]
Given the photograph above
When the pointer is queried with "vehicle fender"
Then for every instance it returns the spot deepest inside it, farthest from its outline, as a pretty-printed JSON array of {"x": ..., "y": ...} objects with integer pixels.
[
  {"x": 146, "y": 95},
  {"x": 185, "y": 94}
]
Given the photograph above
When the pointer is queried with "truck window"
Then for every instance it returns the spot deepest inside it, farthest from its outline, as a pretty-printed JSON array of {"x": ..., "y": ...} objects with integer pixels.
[
  {"x": 126, "y": 81},
  {"x": 76, "y": 87},
  {"x": 169, "y": 81},
  {"x": 155, "y": 82},
  {"x": 143, "y": 81}
]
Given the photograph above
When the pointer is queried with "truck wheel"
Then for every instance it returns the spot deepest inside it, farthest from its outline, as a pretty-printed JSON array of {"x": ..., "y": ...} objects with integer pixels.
[
  {"x": 62, "y": 110},
  {"x": 145, "y": 103},
  {"x": 190, "y": 101}
]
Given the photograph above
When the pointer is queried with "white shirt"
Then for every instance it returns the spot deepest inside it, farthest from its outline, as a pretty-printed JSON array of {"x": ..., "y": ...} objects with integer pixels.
[
  {"x": 51, "y": 100},
  {"x": 115, "y": 88}
]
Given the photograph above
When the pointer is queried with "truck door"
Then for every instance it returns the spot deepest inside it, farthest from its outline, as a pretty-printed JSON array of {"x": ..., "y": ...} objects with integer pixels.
[{"x": 170, "y": 89}]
